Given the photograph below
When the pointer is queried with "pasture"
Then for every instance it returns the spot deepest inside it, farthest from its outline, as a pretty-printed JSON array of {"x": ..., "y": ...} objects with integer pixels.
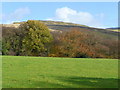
[{"x": 49, "y": 72}]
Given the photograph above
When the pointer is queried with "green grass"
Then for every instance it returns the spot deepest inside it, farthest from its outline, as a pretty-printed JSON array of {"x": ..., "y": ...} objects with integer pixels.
[{"x": 44, "y": 72}]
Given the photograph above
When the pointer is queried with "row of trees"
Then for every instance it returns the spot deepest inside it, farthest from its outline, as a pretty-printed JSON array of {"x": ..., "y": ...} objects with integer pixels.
[{"x": 33, "y": 38}]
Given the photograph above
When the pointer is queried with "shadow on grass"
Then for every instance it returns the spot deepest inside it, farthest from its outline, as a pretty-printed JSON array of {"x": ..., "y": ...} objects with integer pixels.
[
  {"x": 65, "y": 82},
  {"x": 83, "y": 82},
  {"x": 79, "y": 82}
]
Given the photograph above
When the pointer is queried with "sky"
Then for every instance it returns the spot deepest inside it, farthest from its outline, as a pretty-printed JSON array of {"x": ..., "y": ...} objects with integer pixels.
[{"x": 95, "y": 14}]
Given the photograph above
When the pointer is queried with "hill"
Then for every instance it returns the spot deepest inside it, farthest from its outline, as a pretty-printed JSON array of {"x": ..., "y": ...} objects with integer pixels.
[
  {"x": 63, "y": 26},
  {"x": 58, "y": 25},
  {"x": 115, "y": 29},
  {"x": 104, "y": 41}
]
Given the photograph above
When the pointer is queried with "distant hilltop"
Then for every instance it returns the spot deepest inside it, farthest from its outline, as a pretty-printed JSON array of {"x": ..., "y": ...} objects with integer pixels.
[
  {"x": 114, "y": 28},
  {"x": 17, "y": 24},
  {"x": 59, "y": 25},
  {"x": 54, "y": 23},
  {"x": 11, "y": 25}
]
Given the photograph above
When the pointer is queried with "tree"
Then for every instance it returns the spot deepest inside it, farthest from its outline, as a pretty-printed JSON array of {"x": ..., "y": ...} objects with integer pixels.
[{"x": 36, "y": 37}]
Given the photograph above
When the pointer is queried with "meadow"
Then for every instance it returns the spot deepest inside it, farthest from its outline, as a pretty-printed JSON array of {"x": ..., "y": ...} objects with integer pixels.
[{"x": 49, "y": 72}]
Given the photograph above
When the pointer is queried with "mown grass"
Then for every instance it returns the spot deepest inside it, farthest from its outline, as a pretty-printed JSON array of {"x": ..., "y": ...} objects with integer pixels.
[{"x": 45, "y": 72}]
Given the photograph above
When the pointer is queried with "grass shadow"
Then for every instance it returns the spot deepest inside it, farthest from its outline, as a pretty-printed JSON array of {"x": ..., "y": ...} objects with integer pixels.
[
  {"x": 77, "y": 82},
  {"x": 84, "y": 82}
]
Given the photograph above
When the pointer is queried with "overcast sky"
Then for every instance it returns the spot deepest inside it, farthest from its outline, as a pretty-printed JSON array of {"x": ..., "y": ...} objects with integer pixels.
[{"x": 99, "y": 14}]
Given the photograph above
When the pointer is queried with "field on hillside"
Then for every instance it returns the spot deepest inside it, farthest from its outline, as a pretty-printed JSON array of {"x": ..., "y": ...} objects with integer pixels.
[{"x": 48, "y": 72}]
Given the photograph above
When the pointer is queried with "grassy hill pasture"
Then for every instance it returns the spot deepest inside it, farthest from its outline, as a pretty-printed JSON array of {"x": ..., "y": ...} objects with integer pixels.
[
  {"x": 115, "y": 30},
  {"x": 48, "y": 72}
]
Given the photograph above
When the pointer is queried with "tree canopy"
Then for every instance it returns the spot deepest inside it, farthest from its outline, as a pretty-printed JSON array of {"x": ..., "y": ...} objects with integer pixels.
[
  {"x": 36, "y": 36},
  {"x": 30, "y": 39}
]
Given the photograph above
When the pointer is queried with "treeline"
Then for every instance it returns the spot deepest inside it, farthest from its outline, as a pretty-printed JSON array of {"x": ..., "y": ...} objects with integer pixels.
[{"x": 33, "y": 38}]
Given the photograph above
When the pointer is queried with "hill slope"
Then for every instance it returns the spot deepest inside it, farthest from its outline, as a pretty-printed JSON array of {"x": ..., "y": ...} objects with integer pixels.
[
  {"x": 104, "y": 40},
  {"x": 62, "y": 26}
]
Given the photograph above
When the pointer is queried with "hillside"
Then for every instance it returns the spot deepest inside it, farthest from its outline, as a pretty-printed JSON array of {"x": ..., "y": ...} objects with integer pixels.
[
  {"x": 98, "y": 42},
  {"x": 114, "y": 29},
  {"x": 57, "y": 25},
  {"x": 63, "y": 26}
]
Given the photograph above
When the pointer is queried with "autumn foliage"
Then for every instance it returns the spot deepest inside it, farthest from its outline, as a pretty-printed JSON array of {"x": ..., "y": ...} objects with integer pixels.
[{"x": 78, "y": 44}]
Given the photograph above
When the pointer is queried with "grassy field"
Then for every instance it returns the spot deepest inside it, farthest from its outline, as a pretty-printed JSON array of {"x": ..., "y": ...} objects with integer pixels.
[{"x": 44, "y": 72}]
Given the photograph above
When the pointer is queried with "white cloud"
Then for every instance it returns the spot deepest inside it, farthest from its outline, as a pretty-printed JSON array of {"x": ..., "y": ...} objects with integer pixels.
[
  {"x": 16, "y": 15},
  {"x": 64, "y": 13},
  {"x": 70, "y": 15}
]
